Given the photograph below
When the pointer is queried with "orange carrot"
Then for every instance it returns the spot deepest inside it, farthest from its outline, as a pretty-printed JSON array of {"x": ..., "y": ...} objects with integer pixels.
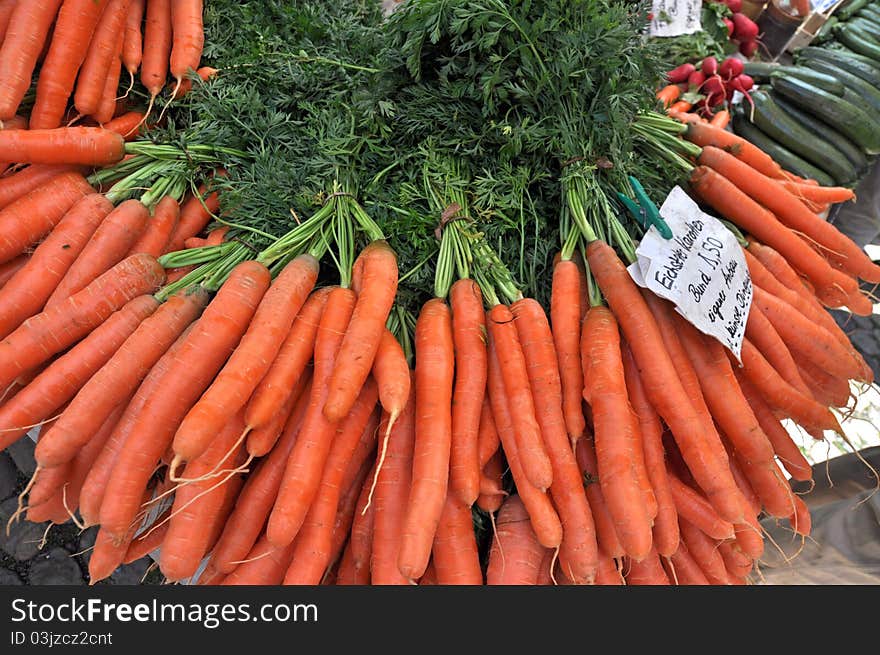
[
  {"x": 107, "y": 106},
  {"x": 469, "y": 329},
  {"x": 199, "y": 359},
  {"x": 684, "y": 570},
  {"x": 14, "y": 185},
  {"x": 101, "y": 56},
  {"x": 71, "y": 36},
  {"x": 364, "y": 332},
  {"x": 736, "y": 562},
  {"x": 302, "y": 476},
  {"x": 159, "y": 228},
  {"x": 823, "y": 194},
  {"x": 264, "y": 565},
  {"x": 11, "y": 268},
  {"x": 533, "y": 453},
  {"x": 120, "y": 376},
  {"x": 606, "y": 532},
  {"x": 433, "y": 425},
  {"x": 668, "y": 94},
  {"x": 129, "y": 125},
  {"x": 720, "y": 119},
  {"x": 491, "y": 479},
  {"x": 565, "y": 316},
  {"x": 766, "y": 339},
  {"x": 392, "y": 374},
  {"x": 696, "y": 509},
  {"x": 156, "y": 46},
  {"x": 29, "y": 218},
  {"x": 614, "y": 424},
  {"x": 194, "y": 216},
  {"x": 706, "y": 135},
  {"x": 647, "y": 571},
  {"x": 6, "y": 7},
  {"x": 132, "y": 48},
  {"x": 516, "y": 554},
  {"x": 85, "y": 146},
  {"x": 263, "y": 439},
  {"x": 55, "y": 329},
  {"x": 250, "y": 360},
  {"x": 355, "y": 565},
  {"x": 204, "y": 73},
  {"x": 579, "y": 551},
  {"x": 825, "y": 388},
  {"x": 488, "y": 434},
  {"x": 188, "y": 37},
  {"x": 27, "y": 291},
  {"x": 23, "y": 41},
  {"x": 109, "y": 244},
  {"x": 704, "y": 553}
]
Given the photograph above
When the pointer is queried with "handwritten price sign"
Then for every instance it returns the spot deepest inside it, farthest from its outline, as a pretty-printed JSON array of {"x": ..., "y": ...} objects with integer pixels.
[{"x": 702, "y": 270}]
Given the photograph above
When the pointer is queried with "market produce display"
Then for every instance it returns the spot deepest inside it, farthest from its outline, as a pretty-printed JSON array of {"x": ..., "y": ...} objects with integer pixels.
[{"x": 334, "y": 297}]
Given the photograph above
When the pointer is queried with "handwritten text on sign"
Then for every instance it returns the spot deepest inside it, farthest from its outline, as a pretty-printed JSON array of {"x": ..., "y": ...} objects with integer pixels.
[
  {"x": 702, "y": 270},
  {"x": 674, "y": 17}
]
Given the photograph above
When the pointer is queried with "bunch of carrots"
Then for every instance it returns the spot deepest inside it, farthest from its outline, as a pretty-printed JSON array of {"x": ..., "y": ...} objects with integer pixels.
[{"x": 82, "y": 47}]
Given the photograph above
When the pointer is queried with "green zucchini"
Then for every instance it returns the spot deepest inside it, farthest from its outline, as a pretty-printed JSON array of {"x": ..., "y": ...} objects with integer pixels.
[
  {"x": 827, "y": 82},
  {"x": 844, "y": 116},
  {"x": 840, "y": 59},
  {"x": 760, "y": 71},
  {"x": 871, "y": 11},
  {"x": 856, "y": 39},
  {"x": 780, "y": 154},
  {"x": 824, "y": 33},
  {"x": 848, "y": 149},
  {"x": 869, "y": 94},
  {"x": 869, "y": 26},
  {"x": 851, "y": 8},
  {"x": 782, "y": 128}
]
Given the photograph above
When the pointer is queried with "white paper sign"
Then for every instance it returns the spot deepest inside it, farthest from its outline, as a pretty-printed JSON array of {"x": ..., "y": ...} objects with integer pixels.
[
  {"x": 674, "y": 17},
  {"x": 702, "y": 270}
]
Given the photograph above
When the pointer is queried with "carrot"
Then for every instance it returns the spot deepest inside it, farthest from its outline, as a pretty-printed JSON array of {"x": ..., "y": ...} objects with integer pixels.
[
  {"x": 821, "y": 194},
  {"x": 120, "y": 376},
  {"x": 679, "y": 106},
  {"x": 84, "y": 146},
  {"x": 565, "y": 316},
  {"x": 665, "y": 527},
  {"x": 204, "y": 73},
  {"x": 800, "y": 519},
  {"x": 23, "y": 41},
  {"x": 289, "y": 364},
  {"x": 706, "y": 135},
  {"x": 194, "y": 216},
  {"x": 19, "y": 183},
  {"x": 542, "y": 515},
  {"x": 516, "y": 555},
  {"x": 263, "y": 439},
  {"x": 615, "y": 425},
  {"x": 107, "y": 105},
  {"x": 156, "y": 47},
  {"x": 55, "y": 329},
  {"x": 668, "y": 94},
  {"x": 608, "y": 574},
  {"x": 732, "y": 203},
  {"x": 769, "y": 484},
  {"x": 64, "y": 377},
  {"x": 264, "y": 565},
  {"x": 491, "y": 478},
  {"x": 433, "y": 427},
  {"x": 188, "y": 536},
  {"x": 129, "y": 125},
  {"x": 691, "y": 506},
  {"x": 750, "y": 537},
  {"x": 109, "y": 244},
  {"x": 147, "y": 541},
  {"x": 454, "y": 553},
  {"x": 579, "y": 551},
  {"x": 721, "y": 119},
  {"x": 312, "y": 553},
  {"x": 766, "y": 339},
  {"x": 11, "y": 268},
  {"x": 155, "y": 236},
  {"x": 392, "y": 491},
  {"x": 606, "y": 531},
  {"x": 6, "y": 8},
  {"x": 469, "y": 328},
  {"x": 737, "y": 563},
  {"x": 250, "y": 360},
  {"x": 647, "y": 571},
  {"x": 27, "y": 291},
  {"x": 488, "y": 434},
  {"x": 786, "y": 450},
  {"x": 702, "y": 550},
  {"x": 305, "y": 465},
  {"x": 255, "y": 501},
  {"x": 71, "y": 37},
  {"x": 100, "y": 57},
  {"x": 662, "y": 384},
  {"x": 345, "y": 519},
  {"x": 534, "y": 459},
  {"x": 132, "y": 47},
  {"x": 354, "y": 569},
  {"x": 188, "y": 37},
  {"x": 791, "y": 213},
  {"x": 684, "y": 570},
  {"x": 29, "y": 218},
  {"x": 191, "y": 370},
  {"x": 361, "y": 340},
  {"x": 392, "y": 374},
  {"x": 825, "y": 388},
  {"x": 806, "y": 338}
]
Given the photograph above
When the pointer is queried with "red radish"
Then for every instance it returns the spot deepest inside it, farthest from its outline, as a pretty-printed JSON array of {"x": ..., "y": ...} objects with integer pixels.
[
  {"x": 731, "y": 67},
  {"x": 734, "y": 5},
  {"x": 696, "y": 79},
  {"x": 745, "y": 29},
  {"x": 748, "y": 48},
  {"x": 742, "y": 83},
  {"x": 713, "y": 86},
  {"x": 709, "y": 66},
  {"x": 730, "y": 26},
  {"x": 680, "y": 74}
]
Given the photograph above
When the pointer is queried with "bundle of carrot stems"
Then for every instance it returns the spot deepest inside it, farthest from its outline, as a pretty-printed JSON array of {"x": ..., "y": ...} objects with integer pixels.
[{"x": 255, "y": 409}]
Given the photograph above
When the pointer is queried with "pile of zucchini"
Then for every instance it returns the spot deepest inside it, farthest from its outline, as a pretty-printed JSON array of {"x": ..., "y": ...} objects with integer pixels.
[{"x": 820, "y": 117}]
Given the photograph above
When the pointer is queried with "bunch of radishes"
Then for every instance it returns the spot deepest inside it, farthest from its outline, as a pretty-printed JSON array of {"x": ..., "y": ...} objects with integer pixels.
[
  {"x": 741, "y": 28},
  {"x": 712, "y": 85}
]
